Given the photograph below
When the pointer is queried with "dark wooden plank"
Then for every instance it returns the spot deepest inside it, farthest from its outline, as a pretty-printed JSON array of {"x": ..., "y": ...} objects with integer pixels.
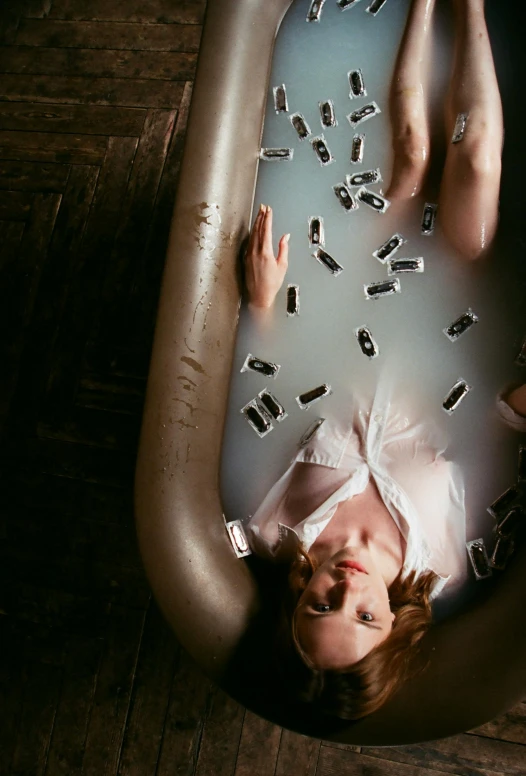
[
  {"x": 18, "y": 288},
  {"x": 57, "y": 536},
  {"x": 97, "y": 581},
  {"x": 112, "y": 695},
  {"x": 121, "y": 360},
  {"x": 48, "y": 147},
  {"x": 151, "y": 694},
  {"x": 9, "y": 21},
  {"x": 74, "y": 498},
  {"x": 339, "y": 762},
  {"x": 11, "y": 12},
  {"x": 54, "y": 608},
  {"x": 165, "y": 11},
  {"x": 15, "y": 205},
  {"x": 92, "y": 91},
  {"x": 113, "y": 543},
  {"x": 116, "y": 323},
  {"x": 42, "y": 679},
  {"x": 258, "y": 748},
  {"x": 82, "y": 119},
  {"x": 221, "y": 736},
  {"x": 35, "y": 244},
  {"x": 162, "y": 65},
  {"x": 463, "y": 755},
  {"x": 36, "y": 605},
  {"x": 81, "y": 667},
  {"x": 52, "y": 291},
  {"x": 37, "y": 9},
  {"x": 91, "y": 264},
  {"x": 147, "y": 282},
  {"x": 297, "y": 754},
  {"x": 88, "y": 426},
  {"x": 508, "y": 727},
  {"x": 110, "y": 35},
  {"x": 10, "y": 239},
  {"x": 32, "y": 176},
  {"x": 11, "y": 684},
  {"x": 184, "y": 721},
  {"x": 44, "y": 645},
  {"x": 79, "y": 462},
  {"x": 111, "y": 392}
]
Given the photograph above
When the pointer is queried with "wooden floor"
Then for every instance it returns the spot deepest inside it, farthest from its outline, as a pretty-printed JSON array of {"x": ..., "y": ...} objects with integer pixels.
[{"x": 94, "y": 102}]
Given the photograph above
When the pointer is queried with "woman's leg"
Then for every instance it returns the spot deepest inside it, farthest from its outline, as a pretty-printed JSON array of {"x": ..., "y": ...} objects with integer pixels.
[
  {"x": 408, "y": 105},
  {"x": 469, "y": 193}
]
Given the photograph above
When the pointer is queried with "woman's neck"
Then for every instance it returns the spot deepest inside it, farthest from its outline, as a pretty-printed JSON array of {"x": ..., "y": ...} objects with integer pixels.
[{"x": 364, "y": 522}]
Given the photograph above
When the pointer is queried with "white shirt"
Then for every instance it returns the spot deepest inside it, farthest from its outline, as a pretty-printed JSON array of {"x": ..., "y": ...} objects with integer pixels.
[{"x": 423, "y": 492}]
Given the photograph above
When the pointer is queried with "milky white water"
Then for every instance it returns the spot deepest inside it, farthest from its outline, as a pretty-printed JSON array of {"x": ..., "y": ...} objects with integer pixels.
[{"x": 312, "y": 60}]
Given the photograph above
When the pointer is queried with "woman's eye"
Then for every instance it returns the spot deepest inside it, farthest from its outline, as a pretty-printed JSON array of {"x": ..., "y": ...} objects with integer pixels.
[
  {"x": 322, "y": 608},
  {"x": 366, "y": 616}
]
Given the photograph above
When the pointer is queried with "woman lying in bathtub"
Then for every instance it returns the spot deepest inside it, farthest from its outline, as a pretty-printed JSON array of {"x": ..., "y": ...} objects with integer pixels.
[{"x": 370, "y": 518}]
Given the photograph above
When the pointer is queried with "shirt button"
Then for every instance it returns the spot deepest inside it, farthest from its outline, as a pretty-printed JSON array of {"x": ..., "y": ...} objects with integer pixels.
[{"x": 378, "y": 418}]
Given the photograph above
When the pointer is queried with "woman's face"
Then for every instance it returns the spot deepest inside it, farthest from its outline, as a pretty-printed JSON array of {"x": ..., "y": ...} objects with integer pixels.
[{"x": 344, "y": 611}]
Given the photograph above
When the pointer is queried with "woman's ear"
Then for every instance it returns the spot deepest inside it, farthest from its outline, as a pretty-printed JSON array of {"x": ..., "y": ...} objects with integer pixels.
[{"x": 393, "y": 616}]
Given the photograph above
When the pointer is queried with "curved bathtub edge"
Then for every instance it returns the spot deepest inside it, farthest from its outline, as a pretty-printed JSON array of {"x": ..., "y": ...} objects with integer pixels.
[{"x": 177, "y": 503}]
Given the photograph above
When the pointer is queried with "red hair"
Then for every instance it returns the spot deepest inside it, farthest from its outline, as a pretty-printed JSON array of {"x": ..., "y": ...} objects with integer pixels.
[{"x": 362, "y": 688}]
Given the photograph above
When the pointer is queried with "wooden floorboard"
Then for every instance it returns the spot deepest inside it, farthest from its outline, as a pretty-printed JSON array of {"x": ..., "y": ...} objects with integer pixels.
[
  {"x": 94, "y": 102},
  {"x": 109, "y": 35}
]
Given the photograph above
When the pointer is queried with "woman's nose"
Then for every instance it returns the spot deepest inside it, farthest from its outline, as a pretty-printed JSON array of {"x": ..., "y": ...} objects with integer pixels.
[{"x": 349, "y": 583}]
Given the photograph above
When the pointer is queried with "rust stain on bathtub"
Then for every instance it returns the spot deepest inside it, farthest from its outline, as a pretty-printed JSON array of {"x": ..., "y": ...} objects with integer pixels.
[
  {"x": 183, "y": 424},
  {"x": 206, "y": 315},
  {"x": 186, "y": 379},
  {"x": 188, "y": 385},
  {"x": 207, "y": 222},
  {"x": 188, "y": 346},
  {"x": 195, "y": 365},
  {"x": 187, "y": 404},
  {"x": 200, "y": 302}
]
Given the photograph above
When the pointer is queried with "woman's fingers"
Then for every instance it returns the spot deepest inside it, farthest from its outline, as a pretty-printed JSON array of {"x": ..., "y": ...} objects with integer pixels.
[
  {"x": 262, "y": 227},
  {"x": 260, "y": 241},
  {"x": 254, "y": 234},
  {"x": 267, "y": 233},
  {"x": 261, "y": 221},
  {"x": 283, "y": 252}
]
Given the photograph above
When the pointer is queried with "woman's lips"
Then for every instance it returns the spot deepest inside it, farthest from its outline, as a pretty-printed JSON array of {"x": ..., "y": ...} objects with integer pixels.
[{"x": 352, "y": 565}]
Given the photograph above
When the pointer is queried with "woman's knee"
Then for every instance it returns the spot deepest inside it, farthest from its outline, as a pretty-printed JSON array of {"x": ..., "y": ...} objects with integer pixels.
[{"x": 478, "y": 160}]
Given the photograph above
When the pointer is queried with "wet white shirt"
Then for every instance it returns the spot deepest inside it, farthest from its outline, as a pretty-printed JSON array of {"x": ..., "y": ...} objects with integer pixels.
[{"x": 423, "y": 492}]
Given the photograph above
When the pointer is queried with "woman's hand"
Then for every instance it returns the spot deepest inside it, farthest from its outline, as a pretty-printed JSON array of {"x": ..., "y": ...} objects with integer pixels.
[{"x": 264, "y": 273}]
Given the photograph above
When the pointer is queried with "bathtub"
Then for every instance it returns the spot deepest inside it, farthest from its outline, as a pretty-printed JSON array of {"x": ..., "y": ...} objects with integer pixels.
[{"x": 212, "y": 599}]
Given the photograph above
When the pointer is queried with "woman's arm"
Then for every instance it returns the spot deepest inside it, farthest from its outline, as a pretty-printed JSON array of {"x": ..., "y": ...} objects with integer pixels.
[{"x": 264, "y": 272}]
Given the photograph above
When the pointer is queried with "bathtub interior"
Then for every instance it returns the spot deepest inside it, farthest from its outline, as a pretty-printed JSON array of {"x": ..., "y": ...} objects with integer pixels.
[
  {"x": 319, "y": 345},
  {"x": 208, "y": 595}
]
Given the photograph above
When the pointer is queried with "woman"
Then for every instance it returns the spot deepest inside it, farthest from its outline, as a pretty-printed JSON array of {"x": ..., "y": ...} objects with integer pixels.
[{"x": 370, "y": 516}]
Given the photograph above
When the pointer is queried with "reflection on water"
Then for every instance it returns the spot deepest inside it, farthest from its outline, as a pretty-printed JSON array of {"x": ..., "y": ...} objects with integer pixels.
[{"x": 320, "y": 345}]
